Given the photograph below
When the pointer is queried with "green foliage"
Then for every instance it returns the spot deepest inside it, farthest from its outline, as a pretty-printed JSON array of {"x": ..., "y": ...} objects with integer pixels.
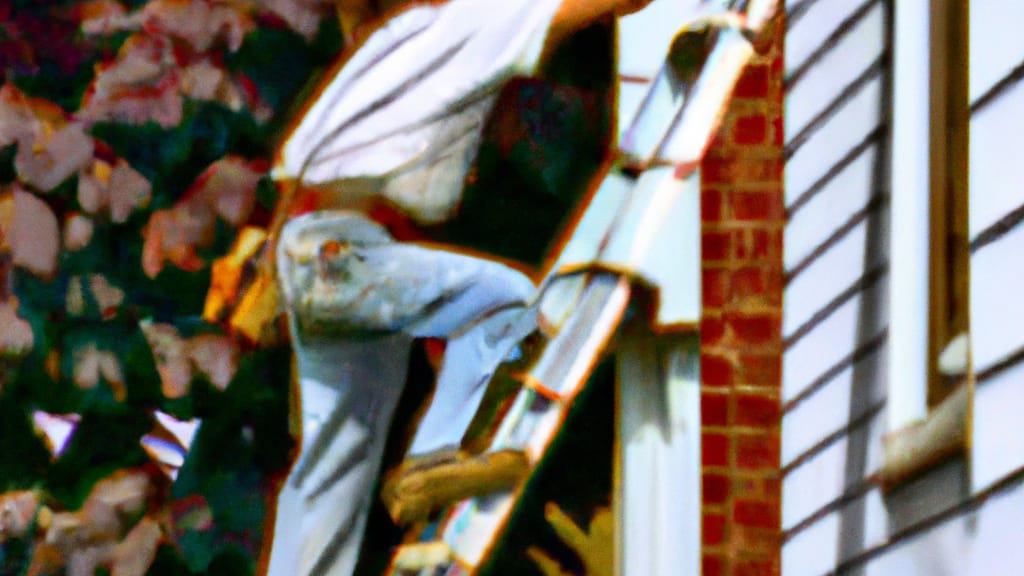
[
  {"x": 104, "y": 442},
  {"x": 15, "y": 556},
  {"x": 7, "y": 163},
  {"x": 172, "y": 158},
  {"x": 283, "y": 67},
  {"x": 26, "y": 465},
  {"x": 244, "y": 440}
]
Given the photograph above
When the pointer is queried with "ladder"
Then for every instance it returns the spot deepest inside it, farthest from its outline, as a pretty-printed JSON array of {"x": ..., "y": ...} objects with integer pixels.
[{"x": 641, "y": 226}]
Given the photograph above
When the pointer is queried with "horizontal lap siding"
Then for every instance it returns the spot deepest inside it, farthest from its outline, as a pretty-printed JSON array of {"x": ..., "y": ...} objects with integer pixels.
[
  {"x": 998, "y": 428},
  {"x": 832, "y": 473},
  {"x": 834, "y": 271},
  {"x": 861, "y": 525},
  {"x": 855, "y": 326},
  {"x": 857, "y": 389},
  {"x": 997, "y": 306},
  {"x": 835, "y": 537},
  {"x": 844, "y": 199},
  {"x": 996, "y": 171},
  {"x": 977, "y": 542},
  {"x": 996, "y": 47},
  {"x": 997, "y": 269},
  {"x": 822, "y": 77},
  {"x": 836, "y": 294},
  {"x": 929, "y": 533},
  {"x": 845, "y": 129},
  {"x": 835, "y": 520}
]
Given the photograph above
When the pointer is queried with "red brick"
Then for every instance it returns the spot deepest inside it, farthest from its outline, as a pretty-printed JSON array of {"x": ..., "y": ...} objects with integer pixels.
[
  {"x": 757, "y": 410},
  {"x": 755, "y": 329},
  {"x": 716, "y": 245},
  {"x": 755, "y": 82},
  {"x": 718, "y": 139},
  {"x": 764, "y": 485},
  {"x": 714, "y": 449},
  {"x": 746, "y": 487},
  {"x": 716, "y": 169},
  {"x": 756, "y": 284},
  {"x": 762, "y": 370},
  {"x": 715, "y": 287},
  {"x": 757, "y": 451},
  {"x": 715, "y": 488},
  {"x": 761, "y": 486},
  {"x": 778, "y": 64},
  {"x": 761, "y": 205},
  {"x": 712, "y": 330},
  {"x": 750, "y": 130},
  {"x": 779, "y": 131},
  {"x": 772, "y": 486},
  {"x": 712, "y": 565},
  {"x": 762, "y": 541},
  {"x": 743, "y": 214},
  {"x": 715, "y": 370},
  {"x": 714, "y": 409},
  {"x": 752, "y": 280},
  {"x": 754, "y": 568},
  {"x": 713, "y": 529},
  {"x": 756, "y": 514},
  {"x": 758, "y": 244},
  {"x": 711, "y": 204}
]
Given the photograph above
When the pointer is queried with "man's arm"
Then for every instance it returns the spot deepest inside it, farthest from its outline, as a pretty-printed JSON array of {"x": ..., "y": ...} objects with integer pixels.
[{"x": 575, "y": 15}]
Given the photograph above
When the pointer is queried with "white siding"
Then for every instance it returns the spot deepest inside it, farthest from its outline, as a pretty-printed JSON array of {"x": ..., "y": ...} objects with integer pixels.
[
  {"x": 829, "y": 512},
  {"x": 982, "y": 542},
  {"x": 814, "y": 551},
  {"x": 837, "y": 537},
  {"x": 997, "y": 273},
  {"x": 847, "y": 128},
  {"x": 854, "y": 391},
  {"x": 837, "y": 202},
  {"x": 834, "y": 419},
  {"x": 855, "y": 323},
  {"x": 834, "y": 271},
  {"x": 996, "y": 167},
  {"x": 837, "y": 68},
  {"x": 998, "y": 428},
  {"x": 811, "y": 30},
  {"x": 997, "y": 308},
  {"x": 996, "y": 45},
  {"x": 940, "y": 552},
  {"x": 831, "y": 473},
  {"x": 998, "y": 533}
]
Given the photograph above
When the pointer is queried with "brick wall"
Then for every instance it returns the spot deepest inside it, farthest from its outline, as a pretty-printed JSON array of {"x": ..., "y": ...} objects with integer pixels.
[{"x": 741, "y": 342}]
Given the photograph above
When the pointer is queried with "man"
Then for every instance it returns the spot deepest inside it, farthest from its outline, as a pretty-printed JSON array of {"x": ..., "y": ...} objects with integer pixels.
[{"x": 400, "y": 122}]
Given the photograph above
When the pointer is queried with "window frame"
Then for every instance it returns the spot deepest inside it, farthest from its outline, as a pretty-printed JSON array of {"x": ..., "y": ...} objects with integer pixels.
[{"x": 929, "y": 413}]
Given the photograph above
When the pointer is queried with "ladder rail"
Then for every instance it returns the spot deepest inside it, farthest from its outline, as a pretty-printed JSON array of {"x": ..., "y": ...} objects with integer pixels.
[{"x": 472, "y": 527}]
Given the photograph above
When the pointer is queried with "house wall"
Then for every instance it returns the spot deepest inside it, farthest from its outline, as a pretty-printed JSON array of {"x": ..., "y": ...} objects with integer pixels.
[
  {"x": 958, "y": 518},
  {"x": 741, "y": 342}
]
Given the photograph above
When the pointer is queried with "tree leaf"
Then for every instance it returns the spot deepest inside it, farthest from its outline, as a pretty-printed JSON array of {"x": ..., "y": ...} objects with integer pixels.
[{"x": 35, "y": 238}]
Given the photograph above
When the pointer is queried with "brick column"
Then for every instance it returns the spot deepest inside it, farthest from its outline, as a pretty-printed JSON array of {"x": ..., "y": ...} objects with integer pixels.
[{"x": 741, "y": 342}]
